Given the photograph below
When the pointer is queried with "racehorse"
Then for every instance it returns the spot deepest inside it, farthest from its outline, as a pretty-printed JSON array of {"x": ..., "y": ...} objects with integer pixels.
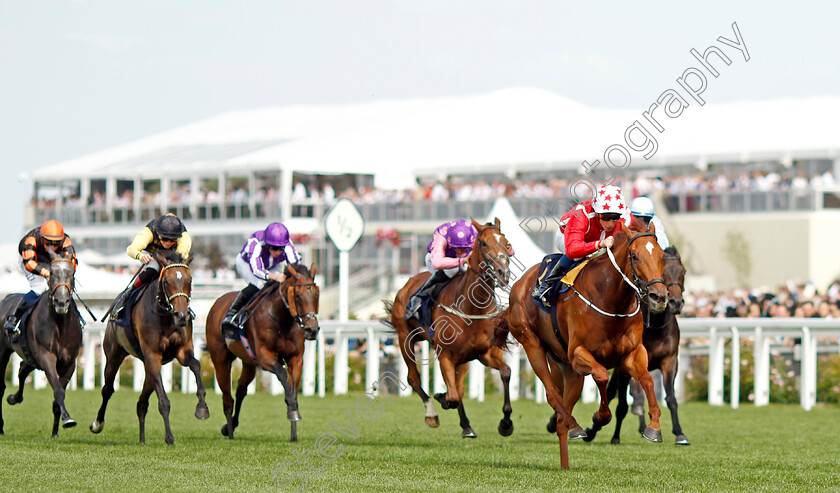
[
  {"x": 595, "y": 327},
  {"x": 662, "y": 341},
  {"x": 282, "y": 316},
  {"x": 53, "y": 335},
  {"x": 463, "y": 323},
  {"x": 160, "y": 331}
]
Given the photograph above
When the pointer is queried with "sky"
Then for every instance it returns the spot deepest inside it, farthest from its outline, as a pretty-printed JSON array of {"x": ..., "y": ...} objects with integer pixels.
[{"x": 80, "y": 76}]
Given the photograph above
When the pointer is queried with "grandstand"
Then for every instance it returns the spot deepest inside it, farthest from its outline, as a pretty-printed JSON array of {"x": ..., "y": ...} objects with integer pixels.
[{"x": 411, "y": 164}]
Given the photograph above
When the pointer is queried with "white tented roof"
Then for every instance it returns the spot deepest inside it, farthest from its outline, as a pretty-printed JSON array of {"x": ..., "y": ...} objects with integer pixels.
[{"x": 513, "y": 129}]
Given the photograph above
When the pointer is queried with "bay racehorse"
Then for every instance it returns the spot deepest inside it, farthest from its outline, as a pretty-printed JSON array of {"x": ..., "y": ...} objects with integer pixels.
[
  {"x": 53, "y": 335},
  {"x": 281, "y": 316},
  {"x": 595, "y": 326},
  {"x": 662, "y": 342},
  {"x": 463, "y": 322},
  {"x": 160, "y": 331}
]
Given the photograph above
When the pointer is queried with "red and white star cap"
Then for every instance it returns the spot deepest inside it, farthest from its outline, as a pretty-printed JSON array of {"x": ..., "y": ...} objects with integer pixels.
[{"x": 609, "y": 198}]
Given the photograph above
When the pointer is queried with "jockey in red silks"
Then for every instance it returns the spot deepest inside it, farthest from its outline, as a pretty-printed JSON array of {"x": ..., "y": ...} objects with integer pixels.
[
  {"x": 587, "y": 228},
  {"x": 446, "y": 257}
]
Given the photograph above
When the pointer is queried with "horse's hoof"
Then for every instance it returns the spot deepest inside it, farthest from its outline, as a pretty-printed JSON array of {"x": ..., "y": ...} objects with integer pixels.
[
  {"x": 202, "y": 412},
  {"x": 589, "y": 435},
  {"x": 68, "y": 423},
  {"x": 551, "y": 426},
  {"x": 681, "y": 440},
  {"x": 293, "y": 416},
  {"x": 615, "y": 441},
  {"x": 506, "y": 427},
  {"x": 577, "y": 433},
  {"x": 96, "y": 426},
  {"x": 12, "y": 400},
  {"x": 468, "y": 433},
  {"x": 432, "y": 421},
  {"x": 637, "y": 409},
  {"x": 225, "y": 431},
  {"x": 653, "y": 435},
  {"x": 170, "y": 440}
]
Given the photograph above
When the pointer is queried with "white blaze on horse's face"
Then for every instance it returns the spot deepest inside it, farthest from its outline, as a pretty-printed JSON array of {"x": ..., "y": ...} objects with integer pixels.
[
  {"x": 649, "y": 247},
  {"x": 178, "y": 275}
]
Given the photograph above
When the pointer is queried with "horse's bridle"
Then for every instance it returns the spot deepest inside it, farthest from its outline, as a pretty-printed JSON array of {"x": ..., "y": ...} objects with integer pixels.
[
  {"x": 161, "y": 296},
  {"x": 68, "y": 286},
  {"x": 487, "y": 261},
  {"x": 301, "y": 319},
  {"x": 675, "y": 283},
  {"x": 641, "y": 285}
]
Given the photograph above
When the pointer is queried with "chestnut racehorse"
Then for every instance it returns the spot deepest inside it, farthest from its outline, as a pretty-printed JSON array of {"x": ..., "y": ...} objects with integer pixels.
[
  {"x": 597, "y": 325},
  {"x": 463, "y": 323},
  {"x": 53, "y": 335},
  {"x": 161, "y": 330},
  {"x": 662, "y": 342},
  {"x": 282, "y": 316}
]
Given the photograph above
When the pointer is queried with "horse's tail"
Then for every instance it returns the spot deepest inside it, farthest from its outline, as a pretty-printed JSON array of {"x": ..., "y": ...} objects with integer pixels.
[
  {"x": 501, "y": 330},
  {"x": 389, "y": 307}
]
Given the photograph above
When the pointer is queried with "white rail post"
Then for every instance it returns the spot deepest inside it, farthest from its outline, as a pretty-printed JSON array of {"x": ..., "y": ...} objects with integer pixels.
[
  {"x": 439, "y": 384},
  {"x": 683, "y": 365},
  {"x": 322, "y": 364},
  {"x": 589, "y": 393},
  {"x": 166, "y": 376},
  {"x": 716, "y": 359},
  {"x": 39, "y": 379},
  {"x": 74, "y": 378},
  {"x": 340, "y": 367},
  {"x": 761, "y": 373},
  {"x": 476, "y": 370},
  {"x": 735, "y": 384},
  {"x": 424, "y": 366},
  {"x": 309, "y": 357},
  {"x": 539, "y": 390},
  {"x": 16, "y": 362},
  {"x": 512, "y": 359},
  {"x": 402, "y": 369},
  {"x": 89, "y": 377},
  {"x": 372, "y": 362},
  {"x": 808, "y": 377},
  {"x": 139, "y": 374}
]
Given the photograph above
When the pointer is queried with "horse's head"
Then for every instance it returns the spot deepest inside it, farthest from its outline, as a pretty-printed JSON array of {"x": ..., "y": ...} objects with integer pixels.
[
  {"x": 302, "y": 294},
  {"x": 674, "y": 275},
  {"x": 491, "y": 252},
  {"x": 62, "y": 282},
  {"x": 175, "y": 284},
  {"x": 645, "y": 257}
]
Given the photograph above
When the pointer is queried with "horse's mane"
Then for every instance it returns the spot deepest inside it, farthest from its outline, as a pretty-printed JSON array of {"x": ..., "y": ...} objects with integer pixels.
[
  {"x": 301, "y": 269},
  {"x": 672, "y": 250},
  {"x": 171, "y": 256}
]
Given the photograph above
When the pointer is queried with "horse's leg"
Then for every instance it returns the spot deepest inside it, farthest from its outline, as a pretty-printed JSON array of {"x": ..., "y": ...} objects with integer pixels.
[
  {"x": 611, "y": 392},
  {"x": 49, "y": 362},
  {"x": 557, "y": 379},
  {"x": 295, "y": 364},
  {"x": 114, "y": 356},
  {"x": 669, "y": 373},
  {"x": 460, "y": 373},
  {"x": 245, "y": 379},
  {"x": 638, "y": 407},
  {"x": 5, "y": 354},
  {"x": 153, "y": 365},
  {"x": 222, "y": 361},
  {"x": 143, "y": 406},
  {"x": 494, "y": 359},
  {"x": 583, "y": 363},
  {"x": 23, "y": 372},
  {"x": 449, "y": 399},
  {"x": 636, "y": 364},
  {"x": 187, "y": 358},
  {"x": 410, "y": 358},
  {"x": 622, "y": 380}
]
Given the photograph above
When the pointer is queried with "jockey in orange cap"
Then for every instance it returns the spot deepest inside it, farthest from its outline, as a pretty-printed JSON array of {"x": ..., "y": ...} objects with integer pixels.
[
  {"x": 35, "y": 263},
  {"x": 587, "y": 228}
]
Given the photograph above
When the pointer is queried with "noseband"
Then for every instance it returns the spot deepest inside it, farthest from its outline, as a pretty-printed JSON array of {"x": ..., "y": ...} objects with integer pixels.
[
  {"x": 67, "y": 285},
  {"x": 642, "y": 286},
  {"x": 488, "y": 261},
  {"x": 164, "y": 302}
]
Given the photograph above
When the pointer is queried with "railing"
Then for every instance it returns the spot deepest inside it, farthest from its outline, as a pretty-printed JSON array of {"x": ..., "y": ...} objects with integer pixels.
[
  {"x": 752, "y": 201},
  {"x": 707, "y": 336}
]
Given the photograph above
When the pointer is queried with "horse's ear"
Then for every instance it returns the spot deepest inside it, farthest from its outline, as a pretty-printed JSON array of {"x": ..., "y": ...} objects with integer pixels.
[
  {"x": 625, "y": 228},
  {"x": 313, "y": 269},
  {"x": 477, "y": 225},
  {"x": 189, "y": 260},
  {"x": 161, "y": 259},
  {"x": 53, "y": 255},
  {"x": 652, "y": 227},
  {"x": 292, "y": 270},
  {"x": 497, "y": 223}
]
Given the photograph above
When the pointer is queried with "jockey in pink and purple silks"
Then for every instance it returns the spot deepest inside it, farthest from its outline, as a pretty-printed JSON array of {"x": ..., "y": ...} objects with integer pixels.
[{"x": 262, "y": 259}]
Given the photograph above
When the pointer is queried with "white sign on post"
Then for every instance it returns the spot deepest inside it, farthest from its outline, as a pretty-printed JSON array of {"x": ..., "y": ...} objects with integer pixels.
[{"x": 344, "y": 225}]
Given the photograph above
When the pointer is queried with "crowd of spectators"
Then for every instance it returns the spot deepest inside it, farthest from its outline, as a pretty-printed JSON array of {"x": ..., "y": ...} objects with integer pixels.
[{"x": 790, "y": 300}]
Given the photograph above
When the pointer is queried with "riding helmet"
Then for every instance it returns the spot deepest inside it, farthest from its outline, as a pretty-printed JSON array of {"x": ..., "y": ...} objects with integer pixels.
[
  {"x": 609, "y": 198},
  {"x": 460, "y": 234},
  {"x": 52, "y": 230},
  {"x": 276, "y": 235}
]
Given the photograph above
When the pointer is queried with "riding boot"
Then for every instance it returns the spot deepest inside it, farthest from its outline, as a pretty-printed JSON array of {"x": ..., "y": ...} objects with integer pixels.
[
  {"x": 557, "y": 273},
  {"x": 229, "y": 327},
  {"x": 13, "y": 318},
  {"x": 413, "y": 309},
  {"x": 119, "y": 303}
]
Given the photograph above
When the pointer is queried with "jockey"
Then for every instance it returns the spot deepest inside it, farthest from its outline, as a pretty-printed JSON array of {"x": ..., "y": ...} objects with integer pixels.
[
  {"x": 587, "y": 228},
  {"x": 263, "y": 258},
  {"x": 642, "y": 207},
  {"x": 446, "y": 257},
  {"x": 164, "y": 234},
  {"x": 35, "y": 263}
]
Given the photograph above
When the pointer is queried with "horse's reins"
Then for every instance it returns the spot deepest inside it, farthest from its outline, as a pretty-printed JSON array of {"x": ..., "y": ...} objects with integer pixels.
[
  {"x": 72, "y": 289},
  {"x": 168, "y": 307}
]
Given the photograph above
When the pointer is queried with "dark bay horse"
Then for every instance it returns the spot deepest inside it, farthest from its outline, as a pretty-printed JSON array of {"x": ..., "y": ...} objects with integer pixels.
[
  {"x": 463, "y": 323},
  {"x": 598, "y": 325},
  {"x": 53, "y": 334},
  {"x": 161, "y": 330},
  {"x": 662, "y": 342},
  {"x": 281, "y": 317}
]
